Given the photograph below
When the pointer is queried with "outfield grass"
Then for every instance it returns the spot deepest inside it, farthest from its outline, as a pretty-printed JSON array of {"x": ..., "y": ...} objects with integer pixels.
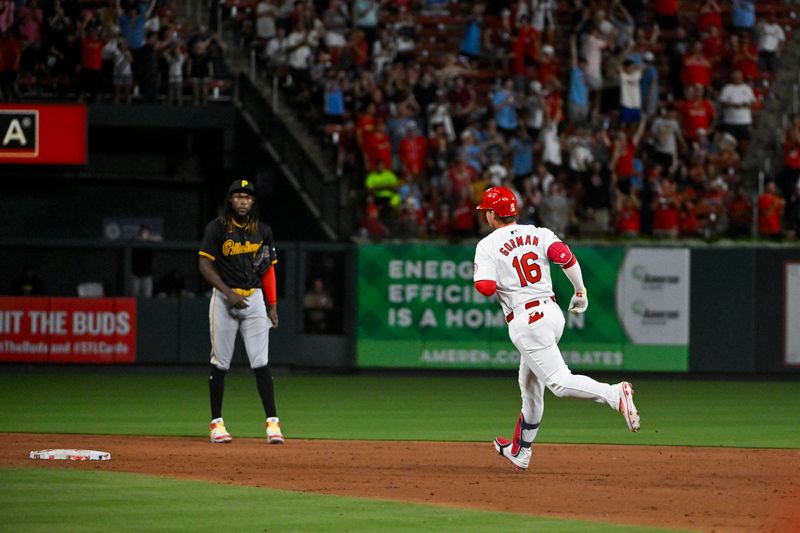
[
  {"x": 457, "y": 408},
  {"x": 51, "y": 501},
  {"x": 138, "y": 401}
]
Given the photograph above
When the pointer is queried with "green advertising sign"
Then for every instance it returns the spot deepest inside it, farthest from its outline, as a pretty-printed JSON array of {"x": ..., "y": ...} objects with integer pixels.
[{"x": 417, "y": 308}]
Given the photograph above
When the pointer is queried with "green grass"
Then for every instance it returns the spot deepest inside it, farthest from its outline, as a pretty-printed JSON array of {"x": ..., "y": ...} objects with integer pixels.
[
  {"x": 457, "y": 408},
  {"x": 51, "y": 501}
]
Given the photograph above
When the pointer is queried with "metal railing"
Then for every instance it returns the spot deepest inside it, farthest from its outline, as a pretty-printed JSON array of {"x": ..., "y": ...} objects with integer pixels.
[{"x": 321, "y": 192}]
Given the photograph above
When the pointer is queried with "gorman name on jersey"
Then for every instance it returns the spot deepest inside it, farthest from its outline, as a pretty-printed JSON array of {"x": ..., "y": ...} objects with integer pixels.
[
  {"x": 231, "y": 247},
  {"x": 514, "y": 242}
]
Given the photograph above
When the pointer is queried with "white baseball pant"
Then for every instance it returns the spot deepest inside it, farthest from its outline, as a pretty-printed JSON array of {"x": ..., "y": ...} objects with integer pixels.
[
  {"x": 535, "y": 332},
  {"x": 225, "y": 321}
]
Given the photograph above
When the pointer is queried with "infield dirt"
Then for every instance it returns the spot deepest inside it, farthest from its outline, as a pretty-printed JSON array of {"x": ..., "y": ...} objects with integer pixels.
[{"x": 703, "y": 489}]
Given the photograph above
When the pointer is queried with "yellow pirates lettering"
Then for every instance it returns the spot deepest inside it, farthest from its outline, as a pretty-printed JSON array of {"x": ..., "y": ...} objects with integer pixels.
[{"x": 230, "y": 247}]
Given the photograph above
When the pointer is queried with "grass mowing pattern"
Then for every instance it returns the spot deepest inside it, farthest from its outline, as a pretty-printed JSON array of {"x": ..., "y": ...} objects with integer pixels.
[
  {"x": 440, "y": 408},
  {"x": 52, "y": 501}
]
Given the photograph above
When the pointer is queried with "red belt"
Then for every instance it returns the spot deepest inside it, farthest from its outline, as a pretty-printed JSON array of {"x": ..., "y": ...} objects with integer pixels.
[{"x": 529, "y": 305}]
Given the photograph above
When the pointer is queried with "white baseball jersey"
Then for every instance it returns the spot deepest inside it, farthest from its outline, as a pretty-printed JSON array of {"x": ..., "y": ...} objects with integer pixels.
[{"x": 515, "y": 257}]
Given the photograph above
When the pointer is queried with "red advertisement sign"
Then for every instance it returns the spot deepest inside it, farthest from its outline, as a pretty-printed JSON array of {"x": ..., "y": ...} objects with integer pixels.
[
  {"x": 43, "y": 134},
  {"x": 68, "y": 330}
]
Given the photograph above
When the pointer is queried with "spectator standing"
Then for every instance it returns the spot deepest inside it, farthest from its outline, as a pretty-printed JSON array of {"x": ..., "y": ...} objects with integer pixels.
[
  {"x": 299, "y": 50},
  {"x": 378, "y": 147},
  {"x": 413, "y": 151},
  {"x": 201, "y": 70},
  {"x": 593, "y": 45},
  {"x": 743, "y": 15},
  {"x": 366, "y": 14},
  {"x": 266, "y": 14},
  {"x": 556, "y": 209},
  {"x": 10, "y": 57},
  {"x": 579, "y": 149},
  {"x": 334, "y": 99},
  {"x": 771, "y": 40},
  {"x": 770, "y": 212},
  {"x": 370, "y": 224},
  {"x": 525, "y": 48},
  {"x": 666, "y": 14},
  {"x": 667, "y": 138},
  {"x": 578, "y": 100},
  {"x": 521, "y": 149},
  {"x": 666, "y": 210},
  {"x": 596, "y": 201},
  {"x": 623, "y": 153},
  {"x": 630, "y": 92},
  {"x": 149, "y": 75},
  {"x": 405, "y": 37},
  {"x": 383, "y": 51},
  {"x": 460, "y": 177},
  {"x": 463, "y": 222},
  {"x": 737, "y": 99},
  {"x": 697, "y": 69},
  {"x": 335, "y": 19},
  {"x": 277, "y": 55},
  {"x": 132, "y": 26},
  {"x": 740, "y": 213},
  {"x": 91, "y": 61},
  {"x": 534, "y": 109},
  {"x": 176, "y": 60},
  {"x": 382, "y": 184},
  {"x": 8, "y": 10},
  {"x": 650, "y": 87},
  {"x": 744, "y": 56},
  {"x": 505, "y": 108},
  {"x": 463, "y": 102},
  {"x": 714, "y": 47},
  {"x": 542, "y": 16},
  {"x": 543, "y": 179},
  {"x": 710, "y": 16},
  {"x": 123, "y": 72},
  {"x": 471, "y": 39},
  {"x": 549, "y": 68},
  {"x": 628, "y": 223},
  {"x": 30, "y": 21},
  {"x": 697, "y": 113},
  {"x": 677, "y": 48}
]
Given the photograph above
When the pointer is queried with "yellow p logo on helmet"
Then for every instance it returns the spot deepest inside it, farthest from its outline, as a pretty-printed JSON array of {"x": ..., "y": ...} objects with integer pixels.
[{"x": 244, "y": 183}]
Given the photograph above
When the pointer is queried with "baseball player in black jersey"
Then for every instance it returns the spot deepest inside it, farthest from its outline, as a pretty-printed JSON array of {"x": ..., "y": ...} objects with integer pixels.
[{"x": 237, "y": 258}]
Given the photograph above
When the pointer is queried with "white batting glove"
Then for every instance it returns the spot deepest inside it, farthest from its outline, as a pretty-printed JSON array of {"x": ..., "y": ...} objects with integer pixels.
[{"x": 579, "y": 302}]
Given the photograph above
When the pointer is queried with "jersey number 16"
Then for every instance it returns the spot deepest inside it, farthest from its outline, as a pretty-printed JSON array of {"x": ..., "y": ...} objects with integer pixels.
[{"x": 527, "y": 268}]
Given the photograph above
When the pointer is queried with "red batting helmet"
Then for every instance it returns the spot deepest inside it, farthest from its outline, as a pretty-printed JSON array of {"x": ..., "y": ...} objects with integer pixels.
[{"x": 501, "y": 200}]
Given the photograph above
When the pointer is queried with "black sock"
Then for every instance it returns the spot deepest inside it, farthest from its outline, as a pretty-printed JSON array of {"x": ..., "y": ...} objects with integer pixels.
[
  {"x": 216, "y": 389},
  {"x": 266, "y": 390}
]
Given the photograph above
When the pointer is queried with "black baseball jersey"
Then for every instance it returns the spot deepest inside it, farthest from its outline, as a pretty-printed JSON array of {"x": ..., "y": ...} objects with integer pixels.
[{"x": 233, "y": 251}]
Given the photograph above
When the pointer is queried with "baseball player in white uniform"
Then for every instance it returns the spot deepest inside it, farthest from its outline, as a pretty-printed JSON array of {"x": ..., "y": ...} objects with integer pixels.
[{"x": 514, "y": 262}]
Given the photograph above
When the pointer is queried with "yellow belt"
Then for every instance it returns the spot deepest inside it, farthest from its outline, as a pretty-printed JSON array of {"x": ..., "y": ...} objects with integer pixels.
[{"x": 244, "y": 292}]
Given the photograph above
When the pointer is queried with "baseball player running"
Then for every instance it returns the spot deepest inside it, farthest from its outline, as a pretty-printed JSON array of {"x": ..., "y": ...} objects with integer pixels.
[
  {"x": 512, "y": 261},
  {"x": 237, "y": 258}
]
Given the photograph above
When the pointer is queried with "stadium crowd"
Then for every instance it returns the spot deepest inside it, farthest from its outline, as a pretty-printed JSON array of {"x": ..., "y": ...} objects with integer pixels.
[
  {"x": 606, "y": 117},
  {"x": 106, "y": 50}
]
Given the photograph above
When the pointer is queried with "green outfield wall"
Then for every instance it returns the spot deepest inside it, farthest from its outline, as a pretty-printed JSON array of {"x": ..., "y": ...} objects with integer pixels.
[
  {"x": 704, "y": 308},
  {"x": 417, "y": 308}
]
